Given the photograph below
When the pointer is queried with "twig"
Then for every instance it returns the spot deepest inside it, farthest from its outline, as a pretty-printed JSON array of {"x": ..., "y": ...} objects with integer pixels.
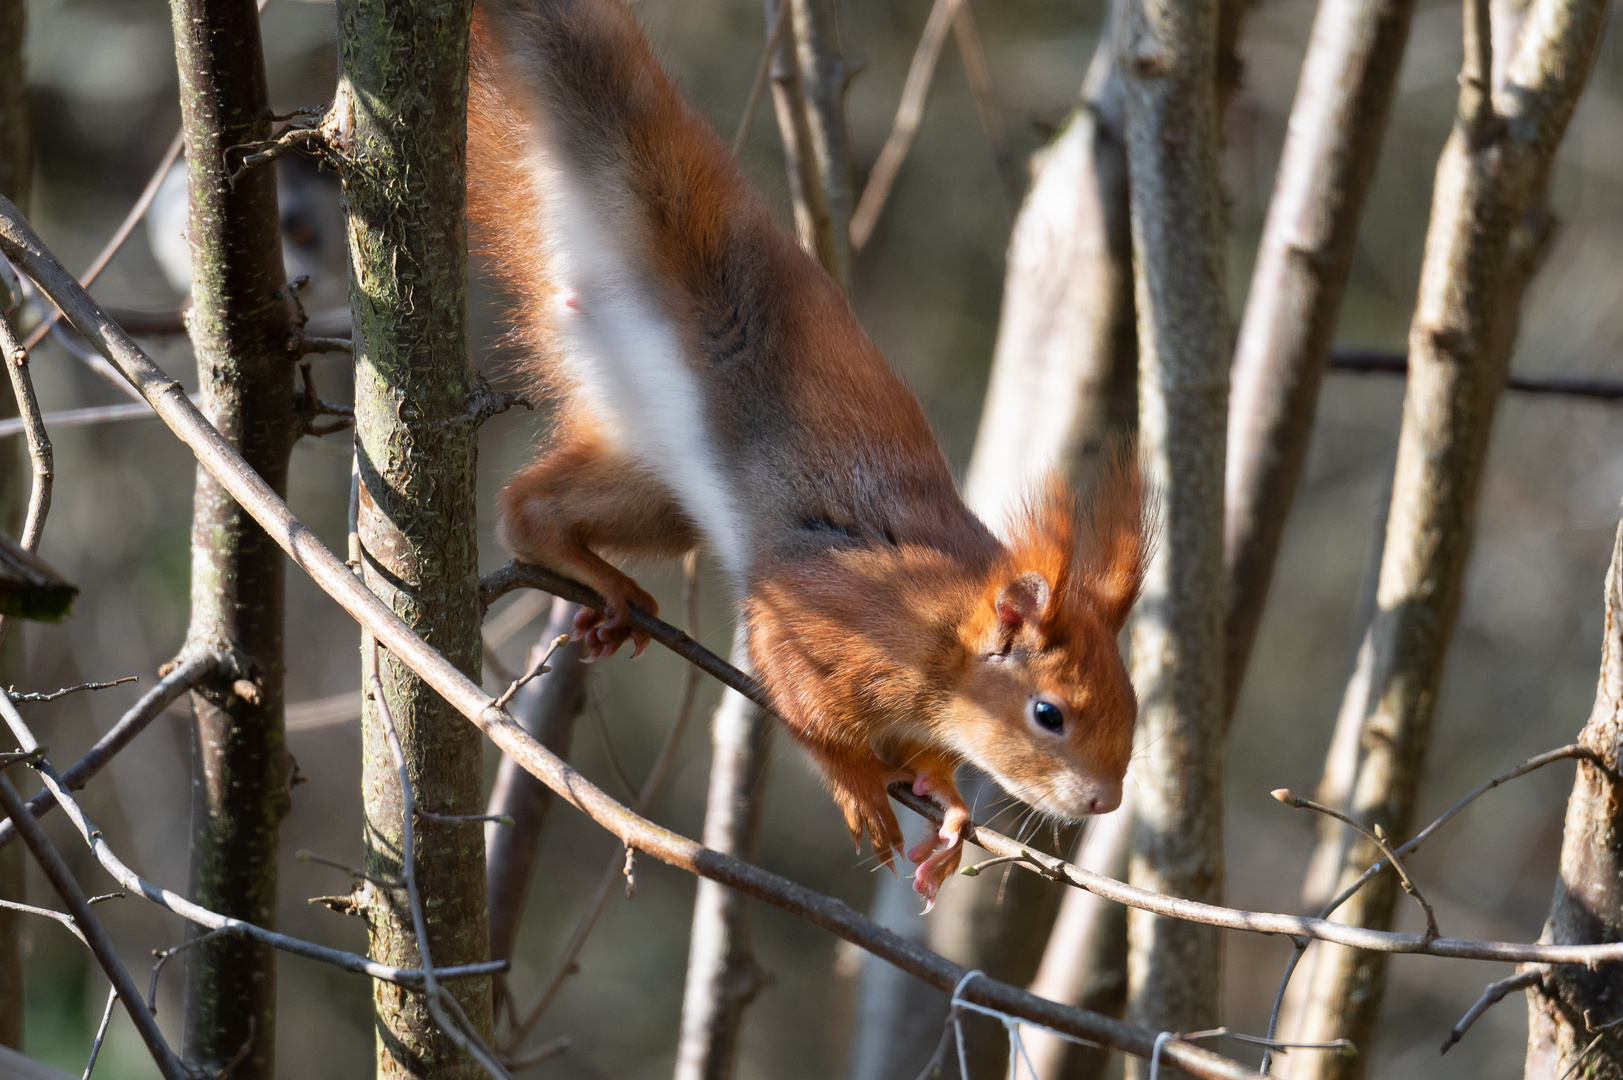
[
  {"x": 191, "y": 671},
  {"x": 1374, "y": 362},
  {"x": 47, "y": 913},
  {"x": 39, "y": 443},
  {"x": 161, "y": 957},
  {"x": 133, "y": 882},
  {"x": 1377, "y": 836},
  {"x": 1491, "y": 996},
  {"x": 304, "y": 855},
  {"x": 291, "y": 139},
  {"x": 908, "y": 115},
  {"x": 759, "y": 85},
  {"x": 95, "y": 414},
  {"x": 1538, "y": 761},
  {"x": 539, "y": 667},
  {"x": 94, "y": 935},
  {"x": 66, "y": 690},
  {"x": 1574, "y": 750},
  {"x": 460, "y": 1031},
  {"x": 979, "y": 74},
  {"x": 101, "y": 1031},
  {"x": 121, "y": 234}
]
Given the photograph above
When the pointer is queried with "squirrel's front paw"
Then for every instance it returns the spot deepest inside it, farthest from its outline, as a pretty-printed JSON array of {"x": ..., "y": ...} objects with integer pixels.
[{"x": 937, "y": 856}]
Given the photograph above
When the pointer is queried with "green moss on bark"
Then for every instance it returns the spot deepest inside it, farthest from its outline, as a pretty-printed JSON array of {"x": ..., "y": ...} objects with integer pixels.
[{"x": 403, "y": 107}]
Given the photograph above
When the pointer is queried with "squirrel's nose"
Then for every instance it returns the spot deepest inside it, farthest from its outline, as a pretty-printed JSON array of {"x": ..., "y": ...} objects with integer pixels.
[{"x": 1106, "y": 801}]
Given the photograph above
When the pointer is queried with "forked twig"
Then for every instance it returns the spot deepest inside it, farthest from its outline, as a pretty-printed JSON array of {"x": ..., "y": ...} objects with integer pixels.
[{"x": 1377, "y": 836}]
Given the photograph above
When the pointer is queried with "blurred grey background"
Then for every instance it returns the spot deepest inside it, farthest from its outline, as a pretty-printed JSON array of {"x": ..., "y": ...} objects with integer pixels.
[{"x": 928, "y": 287}]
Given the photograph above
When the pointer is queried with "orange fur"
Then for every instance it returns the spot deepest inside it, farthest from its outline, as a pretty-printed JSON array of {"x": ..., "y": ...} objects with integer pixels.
[{"x": 897, "y": 636}]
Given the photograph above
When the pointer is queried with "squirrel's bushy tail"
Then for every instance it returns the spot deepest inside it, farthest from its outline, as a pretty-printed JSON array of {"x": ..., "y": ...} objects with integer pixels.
[{"x": 567, "y": 93}]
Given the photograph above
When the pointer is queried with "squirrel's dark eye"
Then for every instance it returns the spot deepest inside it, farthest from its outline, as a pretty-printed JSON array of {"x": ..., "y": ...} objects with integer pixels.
[{"x": 1047, "y": 716}]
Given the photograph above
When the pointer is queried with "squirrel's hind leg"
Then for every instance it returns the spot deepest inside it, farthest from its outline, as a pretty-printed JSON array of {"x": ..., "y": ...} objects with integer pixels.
[{"x": 579, "y": 500}]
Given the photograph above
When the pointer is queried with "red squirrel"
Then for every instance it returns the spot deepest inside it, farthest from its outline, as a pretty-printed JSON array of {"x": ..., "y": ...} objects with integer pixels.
[{"x": 713, "y": 386}]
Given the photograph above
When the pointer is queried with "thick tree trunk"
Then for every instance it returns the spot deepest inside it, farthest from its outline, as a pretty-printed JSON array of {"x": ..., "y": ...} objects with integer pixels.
[
  {"x": 16, "y": 172},
  {"x": 402, "y": 112},
  {"x": 242, "y": 328},
  {"x": 1168, "y": 58},
  {"x": 1564, "y": 1011},
  {"x": 1480, "y": 250},
  {"x": 1332, "y": 145}
]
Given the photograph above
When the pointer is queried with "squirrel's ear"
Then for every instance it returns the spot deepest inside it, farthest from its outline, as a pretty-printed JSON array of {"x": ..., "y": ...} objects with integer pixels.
[
  {"x": 1120, "y": 539},
  {"x": 1022, "y": 601}
]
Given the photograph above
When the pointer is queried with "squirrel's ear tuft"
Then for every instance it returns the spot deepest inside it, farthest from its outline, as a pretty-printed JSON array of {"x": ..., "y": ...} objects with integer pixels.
[
  {"x": 1023, "y": 601},
  {"x": 1114, "y": 551}
]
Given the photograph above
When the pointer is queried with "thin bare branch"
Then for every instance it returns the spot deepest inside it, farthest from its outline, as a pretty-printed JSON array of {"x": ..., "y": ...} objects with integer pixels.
[
  {"x": 906, "y": 125},
  {"x": 1370, "y": 361},
  {"x": 66, "y": 690},
  {"x": 126, "y": 227},
  {"x": 644, "y": 799},
  {"x": 39, "y": 443},
  {"x": 968, "y": 36},
  {"x": 1493, "y": 994},
  {"x": 101, "y": 1032},
  {"x": 187, "y": 674},
  {"x": 773, "y": 37}
]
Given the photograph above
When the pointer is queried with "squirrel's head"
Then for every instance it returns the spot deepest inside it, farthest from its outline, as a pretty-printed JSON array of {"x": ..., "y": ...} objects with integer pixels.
[{"x": 1046, "y": 706}]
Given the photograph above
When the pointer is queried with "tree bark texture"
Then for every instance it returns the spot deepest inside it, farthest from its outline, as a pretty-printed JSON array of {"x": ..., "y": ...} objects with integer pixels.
[
  {"x": 791, "y": 102},
  {"x": 1064, "y": 370},
  {"x": 1333, "y": 142},
  {"x": 824, "y": 78},
  {"x": 1481, "y": 248},
  {"x": 1168, "y": 56},
  {"x": 723, "y": 977},
  {"x": 242, "y": 326},
  {"x": 401, "y": 115},
  {"x": 1571, "y": 1002},
  {"x": 16, "y": 174}
]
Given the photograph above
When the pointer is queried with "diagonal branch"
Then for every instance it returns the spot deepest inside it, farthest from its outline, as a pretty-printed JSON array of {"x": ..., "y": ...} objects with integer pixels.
[{"x": 90, "y": 929}]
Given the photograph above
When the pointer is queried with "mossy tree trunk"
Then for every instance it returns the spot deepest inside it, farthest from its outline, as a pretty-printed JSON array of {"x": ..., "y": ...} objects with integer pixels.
[
  {"x": 242, "y": 328},
  {"x": 402, "y": 116}
]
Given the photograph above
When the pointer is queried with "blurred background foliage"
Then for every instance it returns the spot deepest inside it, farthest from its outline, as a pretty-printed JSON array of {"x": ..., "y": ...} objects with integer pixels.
[{"x": 928, "y": 288}]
